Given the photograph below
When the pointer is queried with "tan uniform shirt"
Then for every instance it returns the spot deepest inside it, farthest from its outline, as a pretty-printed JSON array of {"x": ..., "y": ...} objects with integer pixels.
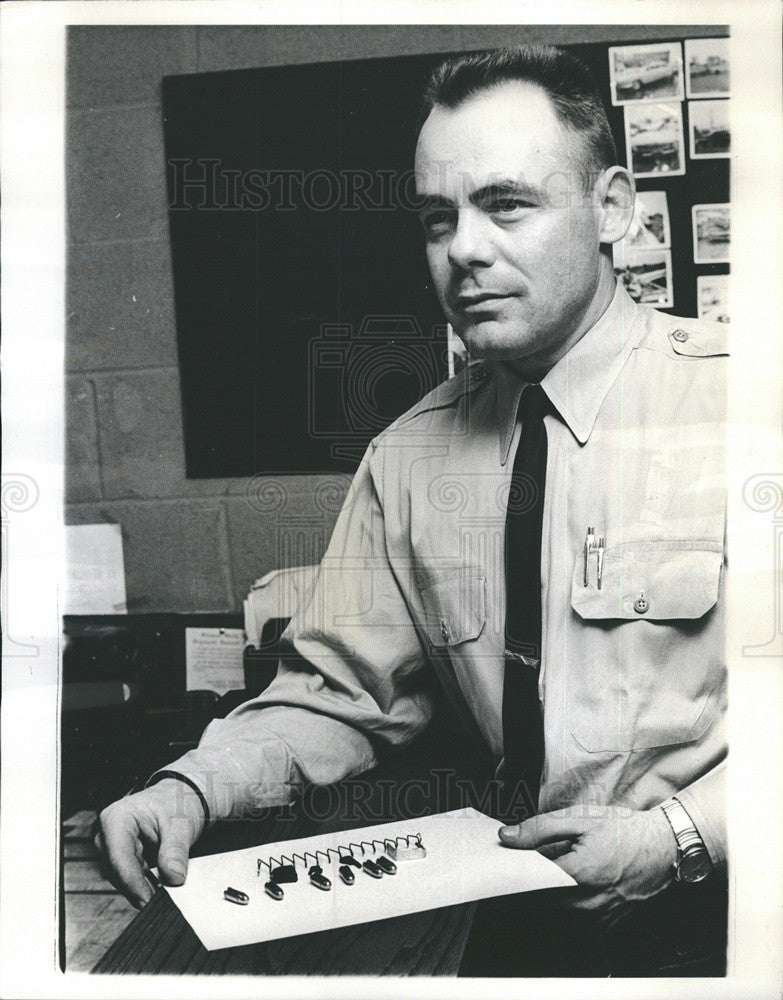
[{"x": 633, "y": 674}]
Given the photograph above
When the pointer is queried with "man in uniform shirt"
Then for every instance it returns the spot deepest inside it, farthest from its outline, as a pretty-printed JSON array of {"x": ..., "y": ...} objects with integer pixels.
[{"x": 522, "y": 198}]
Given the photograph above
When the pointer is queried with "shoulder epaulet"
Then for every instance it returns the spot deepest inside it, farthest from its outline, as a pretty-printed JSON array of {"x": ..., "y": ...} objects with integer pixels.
[
  {"x": 698, "y": 338},
  {"x": 473, "y": 376}
]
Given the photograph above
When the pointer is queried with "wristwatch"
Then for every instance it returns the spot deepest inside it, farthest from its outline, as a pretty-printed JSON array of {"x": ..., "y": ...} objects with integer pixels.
[{"x": 693, "y": 862}]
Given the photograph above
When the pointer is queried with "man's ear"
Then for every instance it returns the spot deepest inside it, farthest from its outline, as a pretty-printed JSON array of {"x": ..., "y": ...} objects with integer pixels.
[{"x": 616, "y": 193}]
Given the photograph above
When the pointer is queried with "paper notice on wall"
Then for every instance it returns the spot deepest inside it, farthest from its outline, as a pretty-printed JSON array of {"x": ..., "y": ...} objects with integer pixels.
[
  {"x": 95, "y": 581},
  {"x": 213, "y": 659}
]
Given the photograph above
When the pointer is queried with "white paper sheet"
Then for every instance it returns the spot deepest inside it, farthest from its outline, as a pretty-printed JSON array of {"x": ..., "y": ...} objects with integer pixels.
[
  {"x": 95, "y": 570},
  {"x": 213, "y": 659},
  {"x": 465, "y": 861}
]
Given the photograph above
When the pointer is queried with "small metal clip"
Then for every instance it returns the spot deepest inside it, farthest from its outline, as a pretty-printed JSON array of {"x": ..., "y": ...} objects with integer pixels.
[
  {"x": 404, "y": 850},
  {"x": 372, "y": 869},
  {"x": 318, "y": 879},
  {"x": 347, "y": 875},
  {"x": 273, "y": 889},
  {"x": 387, "y": 867},
  {"x": 284, "y": 873},
  {"x": 236, "y": 896},
  {"x": 527, "y": 661}
]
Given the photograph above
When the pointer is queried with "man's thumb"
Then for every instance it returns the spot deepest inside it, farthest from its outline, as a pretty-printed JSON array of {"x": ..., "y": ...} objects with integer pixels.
[{"x": 173, "y": 860}]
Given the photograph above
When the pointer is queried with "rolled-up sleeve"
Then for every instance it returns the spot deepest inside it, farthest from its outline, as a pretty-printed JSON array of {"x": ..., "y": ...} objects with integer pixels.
[{"x": 351, "y": 681}]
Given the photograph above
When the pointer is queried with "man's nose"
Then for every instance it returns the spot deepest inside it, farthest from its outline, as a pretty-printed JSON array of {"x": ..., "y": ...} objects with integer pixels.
[{"x": 471, "y": 245}]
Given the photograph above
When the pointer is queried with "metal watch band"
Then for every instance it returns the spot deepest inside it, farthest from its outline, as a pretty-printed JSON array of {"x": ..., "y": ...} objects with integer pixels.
[
  {"x": 685, "y": 832},
  {"x": 681, "y": 823}
]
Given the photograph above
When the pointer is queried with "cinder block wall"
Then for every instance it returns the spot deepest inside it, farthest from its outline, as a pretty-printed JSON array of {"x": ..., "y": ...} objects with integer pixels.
[{"x": 190, "y": 545}]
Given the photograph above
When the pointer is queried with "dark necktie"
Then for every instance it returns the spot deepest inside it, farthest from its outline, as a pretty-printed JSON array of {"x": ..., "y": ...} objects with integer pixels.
[{"x": 523, "y": 730}]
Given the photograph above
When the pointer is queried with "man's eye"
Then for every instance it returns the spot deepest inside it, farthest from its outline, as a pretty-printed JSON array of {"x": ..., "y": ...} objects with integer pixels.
[
  {"x": 505, "y": 206},
  {"x": 436, "y": 220}
]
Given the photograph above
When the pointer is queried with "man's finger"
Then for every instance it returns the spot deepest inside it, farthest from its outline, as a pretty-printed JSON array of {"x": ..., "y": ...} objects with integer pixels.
[
  {"x": 172, "y": 858},
  {"x": 120, "y": 837},
  {"x": 547, "y": 828},
  {"x": 556, "y": 849},
  {"x": 106, "y": 871}
]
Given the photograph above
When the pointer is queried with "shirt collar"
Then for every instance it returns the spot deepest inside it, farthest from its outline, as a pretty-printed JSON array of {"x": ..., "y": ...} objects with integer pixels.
[{"x": 579, "y": 382}]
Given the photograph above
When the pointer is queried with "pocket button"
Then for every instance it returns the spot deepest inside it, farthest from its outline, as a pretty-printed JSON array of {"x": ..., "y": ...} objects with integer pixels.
[
  {"x": 641, "y": 604},
  {"x": 444, "y": 631}
]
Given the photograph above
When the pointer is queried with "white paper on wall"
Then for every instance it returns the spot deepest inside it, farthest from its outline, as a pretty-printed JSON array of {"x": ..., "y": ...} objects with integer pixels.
[
  {"x": 213, "y": 659},
  {"x": 95, "y": 570}
]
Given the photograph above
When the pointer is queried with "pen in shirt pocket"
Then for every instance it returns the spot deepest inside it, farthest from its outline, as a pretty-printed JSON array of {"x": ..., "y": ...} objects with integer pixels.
[
  {"x": 594, "y": 544},
  {"x": 589, "y": 548},
  {"x": 600, "y": 548}
]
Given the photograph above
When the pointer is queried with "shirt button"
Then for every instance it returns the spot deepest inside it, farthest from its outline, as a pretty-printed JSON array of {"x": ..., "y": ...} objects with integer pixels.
[
  {"x": 680, "y": 335},
  {"x": 640, "y": 605},
  {"x": 444, "y": 631}
]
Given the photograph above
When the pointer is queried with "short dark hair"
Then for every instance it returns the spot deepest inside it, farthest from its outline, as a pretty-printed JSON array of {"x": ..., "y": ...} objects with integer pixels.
[{"x": 564, "y": 78}]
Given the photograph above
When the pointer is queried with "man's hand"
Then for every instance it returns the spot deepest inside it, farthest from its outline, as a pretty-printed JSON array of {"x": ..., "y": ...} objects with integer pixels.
[
  {"x": 617, "y": 856},
  {"x": 165, "y": 820}
]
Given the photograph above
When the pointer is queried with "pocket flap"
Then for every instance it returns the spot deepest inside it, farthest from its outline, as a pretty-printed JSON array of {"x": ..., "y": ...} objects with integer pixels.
[
  {"x": 453, "y": 606},
  {"x": 652, "y": 580}
]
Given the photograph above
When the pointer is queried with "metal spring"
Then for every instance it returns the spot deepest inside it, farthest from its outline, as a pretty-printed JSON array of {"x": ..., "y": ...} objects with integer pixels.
[{"x": 365, "y": 846}]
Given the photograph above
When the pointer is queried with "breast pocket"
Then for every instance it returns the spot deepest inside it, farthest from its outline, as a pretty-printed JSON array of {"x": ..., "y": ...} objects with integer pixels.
[
  {"x": 453, "y": 606},
  {"x": 645, "y": 658}
]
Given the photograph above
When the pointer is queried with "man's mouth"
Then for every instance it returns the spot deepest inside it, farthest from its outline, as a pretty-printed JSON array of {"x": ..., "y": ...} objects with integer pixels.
[{"x": 476, "y": 300}]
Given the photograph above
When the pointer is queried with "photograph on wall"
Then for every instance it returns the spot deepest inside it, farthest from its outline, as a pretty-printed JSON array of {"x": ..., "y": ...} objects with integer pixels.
[
  {"x": 649, "y": 227},
  {"x": 707, "y": 67},
  {"x": 646, "y": 275},
  {"x": 708, "y": 129},
  {"x": 654, "y": 139},
  {"x": 711, "y": 234},
  {"x": 645, "y": 72},
  {"x": 712, "y": 297}
]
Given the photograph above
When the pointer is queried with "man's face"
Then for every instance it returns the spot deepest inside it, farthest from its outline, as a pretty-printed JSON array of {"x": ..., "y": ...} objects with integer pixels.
[{"x": 512, "y": 239}]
